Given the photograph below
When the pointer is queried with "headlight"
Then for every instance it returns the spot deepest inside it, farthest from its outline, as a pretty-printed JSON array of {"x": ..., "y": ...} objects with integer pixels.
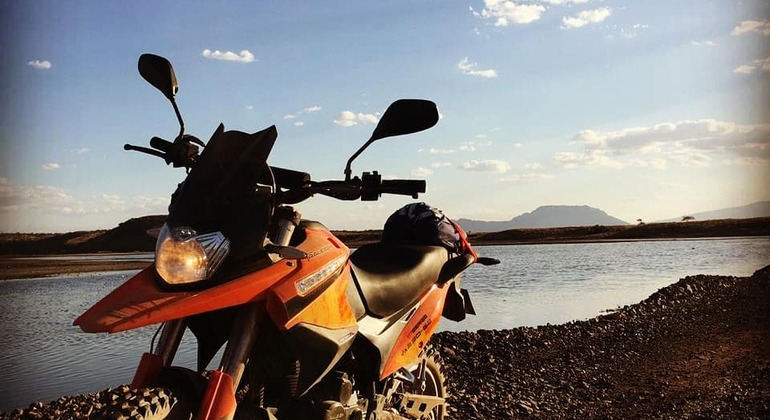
[{"x": 182, "y": 256}]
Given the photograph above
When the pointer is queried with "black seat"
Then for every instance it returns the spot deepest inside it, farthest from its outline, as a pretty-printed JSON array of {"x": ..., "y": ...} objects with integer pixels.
[{"x": 391, "y": 276}]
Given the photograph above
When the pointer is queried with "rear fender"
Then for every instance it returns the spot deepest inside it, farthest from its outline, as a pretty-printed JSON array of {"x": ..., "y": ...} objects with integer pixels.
[{"x": 458, "y": 303}]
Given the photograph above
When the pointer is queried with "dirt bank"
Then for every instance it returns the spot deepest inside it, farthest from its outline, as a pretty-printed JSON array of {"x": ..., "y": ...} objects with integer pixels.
[{"x": 699, "y": 348}]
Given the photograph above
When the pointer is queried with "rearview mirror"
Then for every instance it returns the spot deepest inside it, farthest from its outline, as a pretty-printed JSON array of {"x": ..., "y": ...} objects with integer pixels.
[
  {"x": 158, "y": 72},
  {"x": 404, "y": 116}
]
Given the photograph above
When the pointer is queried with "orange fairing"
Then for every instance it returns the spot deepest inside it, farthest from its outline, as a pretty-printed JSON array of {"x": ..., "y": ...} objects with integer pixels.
[
  {"x": 325, "y": 304},
  {"x": 418, "y": 330},
  {"x": 140, "y": 301}
]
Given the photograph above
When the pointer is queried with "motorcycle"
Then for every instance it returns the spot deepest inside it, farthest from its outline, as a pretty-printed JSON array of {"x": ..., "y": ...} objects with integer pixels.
[{"x": 311, "y": 330}]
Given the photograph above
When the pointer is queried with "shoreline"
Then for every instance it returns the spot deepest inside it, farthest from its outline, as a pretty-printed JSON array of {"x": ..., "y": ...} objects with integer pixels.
[
  {"x": 18, "y": 267},
  {"x": 29, "y": 267}
]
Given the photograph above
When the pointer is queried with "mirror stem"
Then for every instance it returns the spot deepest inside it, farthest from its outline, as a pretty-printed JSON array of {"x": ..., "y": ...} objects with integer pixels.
[
  {"x": 178, "y": 117},
  {"x": 349, "y": 171}
]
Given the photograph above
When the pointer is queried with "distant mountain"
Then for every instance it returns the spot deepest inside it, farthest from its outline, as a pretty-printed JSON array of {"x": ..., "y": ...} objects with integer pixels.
[
  {"x": 758, "y": 209},
  {"x": 545, "y": 217}
]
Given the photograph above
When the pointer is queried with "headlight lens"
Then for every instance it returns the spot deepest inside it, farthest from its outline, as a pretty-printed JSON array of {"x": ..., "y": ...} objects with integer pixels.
[{"x": 182, "y": 256}]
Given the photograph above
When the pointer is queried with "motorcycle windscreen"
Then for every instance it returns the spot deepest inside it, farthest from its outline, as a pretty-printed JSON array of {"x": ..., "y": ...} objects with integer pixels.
[{"x": 221, "y": 194}]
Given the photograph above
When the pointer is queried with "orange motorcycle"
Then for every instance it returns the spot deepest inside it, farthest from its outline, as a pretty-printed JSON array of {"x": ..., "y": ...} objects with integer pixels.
[{"x": 311, "y": 331}]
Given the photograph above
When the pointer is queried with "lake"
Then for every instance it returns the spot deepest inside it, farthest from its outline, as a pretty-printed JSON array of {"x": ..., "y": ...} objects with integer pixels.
[{"x": 44, "y": 356}]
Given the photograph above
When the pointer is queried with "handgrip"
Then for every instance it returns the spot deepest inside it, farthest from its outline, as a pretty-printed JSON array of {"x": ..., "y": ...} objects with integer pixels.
[
  {"x": 160, "y": 144},
  {"x": 403, "y": 186}
]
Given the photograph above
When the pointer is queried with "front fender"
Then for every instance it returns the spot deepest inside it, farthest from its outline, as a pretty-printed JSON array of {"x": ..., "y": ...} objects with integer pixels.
[{"x": 140, "y": 301}]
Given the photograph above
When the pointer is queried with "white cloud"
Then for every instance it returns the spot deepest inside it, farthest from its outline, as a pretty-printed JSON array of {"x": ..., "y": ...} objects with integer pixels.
[
  {"x": 689, "y": 142},
  {"x": 420, "y": 172},
  {"x": 83, "y": 150},
  {"x": 586, "y": 17},
  {"x": 745, "y": 69},
  {"x": 27, "y": 206},
  {"x": 467, "y": 147},
  {"x": 588, "y": 158},
  {"x": 562, "y": 2},
  {"x": 485, "y": 166},
  {"x": 40, "y": 64},
  {"x": 628, "y": 33},
  {"x": 39, "y": 197},
  {"x": 504, "y": 12},
  {"x": 762, "y": 27},
  {"x": 350, "y": 118},
  {"x": 704, "y": 43},
  {"x": 51, "y": 166},
  {"x": 250, "y": 107},
  {"x": 298, "y": 123},
  {"x": 242, "y": 57},
  {"x": 470, "y": 69},
  {"x": 532, "y": 176},
  {"x": 441, "y": 151},
  {"x": 533, "y": 166},
  {"x": 436, "y": 165},
  {"x": 763, "y": 64},
  {"x": 307, "y": 110}
]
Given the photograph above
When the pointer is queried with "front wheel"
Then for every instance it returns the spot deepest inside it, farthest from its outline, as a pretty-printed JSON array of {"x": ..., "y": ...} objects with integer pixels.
[
  {"x": 176, "y": 397},
  {"x": 125, "y": 402}
]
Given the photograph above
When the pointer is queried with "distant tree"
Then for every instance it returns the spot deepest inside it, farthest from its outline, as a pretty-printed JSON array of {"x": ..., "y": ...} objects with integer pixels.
[
  {"x": 640, "y": 221},
  {"x": 688, "y": 218}
]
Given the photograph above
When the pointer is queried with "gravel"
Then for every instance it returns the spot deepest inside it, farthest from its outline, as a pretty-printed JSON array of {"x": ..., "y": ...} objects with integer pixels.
[{"x": 699, "y": 349}]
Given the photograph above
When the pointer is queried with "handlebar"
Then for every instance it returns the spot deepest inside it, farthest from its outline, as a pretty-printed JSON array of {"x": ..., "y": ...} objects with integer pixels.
[{"x": 299, "y": 187}]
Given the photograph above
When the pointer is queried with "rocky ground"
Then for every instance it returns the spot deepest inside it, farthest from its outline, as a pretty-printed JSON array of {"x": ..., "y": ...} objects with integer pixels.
[{"x": 698, "y": 349}]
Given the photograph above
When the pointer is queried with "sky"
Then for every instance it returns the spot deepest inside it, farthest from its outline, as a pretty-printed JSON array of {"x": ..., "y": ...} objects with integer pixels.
[{"x": 644, "y": 109}]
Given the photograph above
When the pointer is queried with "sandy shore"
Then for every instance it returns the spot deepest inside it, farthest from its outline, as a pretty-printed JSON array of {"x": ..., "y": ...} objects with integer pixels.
[
  {"x": 25, "y": 268},
  {"x": 699, "y": 348}
]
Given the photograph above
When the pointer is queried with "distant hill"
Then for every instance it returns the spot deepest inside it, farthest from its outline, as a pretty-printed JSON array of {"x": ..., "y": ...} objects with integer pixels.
[
  {"x": 129, "y": 236},
  {"x": 546, "y": 217},
  {"x": 132, "y": 236},
  {"x": 758, "y": 209}
]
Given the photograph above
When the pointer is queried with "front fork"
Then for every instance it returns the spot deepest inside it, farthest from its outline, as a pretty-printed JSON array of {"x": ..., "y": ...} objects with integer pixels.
[{"x": 219, "y": 397}]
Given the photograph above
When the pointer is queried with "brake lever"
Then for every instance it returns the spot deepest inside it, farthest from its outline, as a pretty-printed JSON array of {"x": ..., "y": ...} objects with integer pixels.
[{"x": 144, "y": 150}]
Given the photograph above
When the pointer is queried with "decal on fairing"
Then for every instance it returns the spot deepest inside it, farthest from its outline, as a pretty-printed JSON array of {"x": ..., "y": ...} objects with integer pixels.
[{"x": 416, "y": 333}]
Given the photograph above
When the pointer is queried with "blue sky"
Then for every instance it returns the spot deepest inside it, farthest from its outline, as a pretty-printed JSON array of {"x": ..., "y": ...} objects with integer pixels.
[{"x": 644, "y": 109}]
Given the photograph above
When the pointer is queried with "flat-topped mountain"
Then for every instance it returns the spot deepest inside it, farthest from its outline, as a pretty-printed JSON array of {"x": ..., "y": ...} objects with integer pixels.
[{"x": 545, "y": 217}]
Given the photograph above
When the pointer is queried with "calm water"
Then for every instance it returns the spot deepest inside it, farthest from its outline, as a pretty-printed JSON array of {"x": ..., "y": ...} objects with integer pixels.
[{"x": 44, "y": 356}]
